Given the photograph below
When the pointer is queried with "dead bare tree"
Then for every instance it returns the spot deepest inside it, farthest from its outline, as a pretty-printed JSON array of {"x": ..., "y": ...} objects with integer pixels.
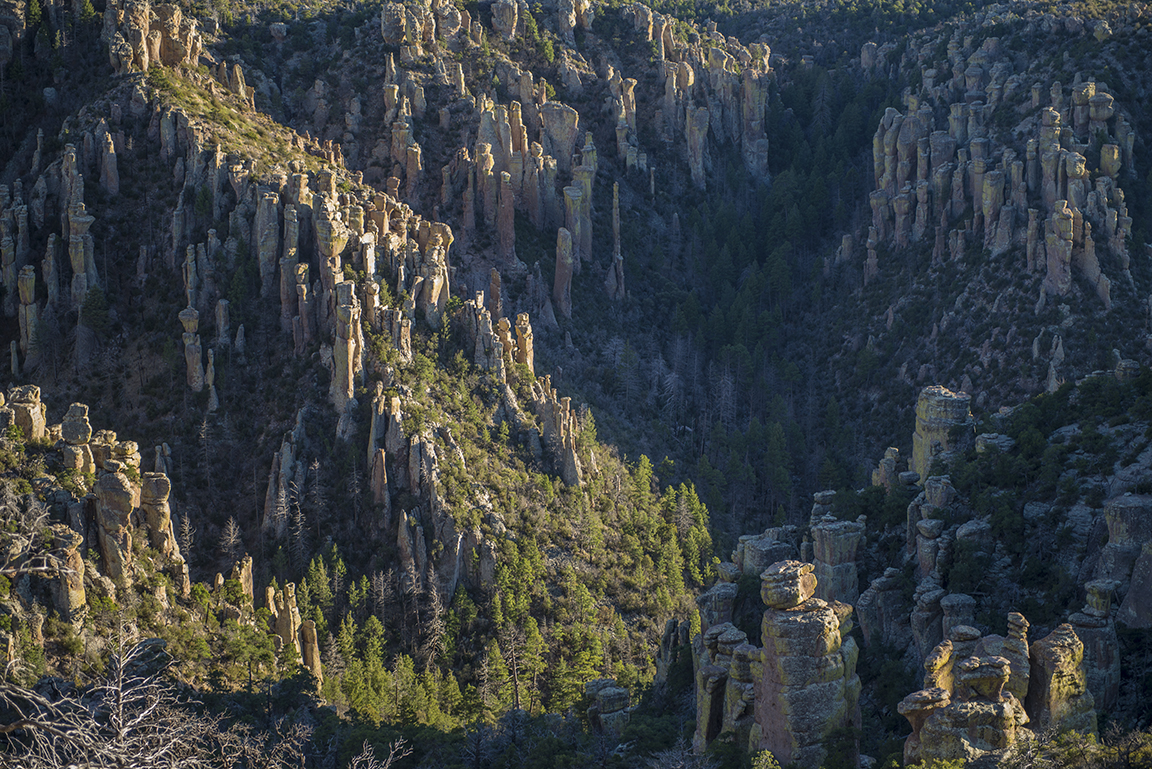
[
  {"x": 26, "y": 544},
  {"x": 366, "y": 759},
  {"x": 231, "y": 540},
  {"x": 132, "y": 719}
]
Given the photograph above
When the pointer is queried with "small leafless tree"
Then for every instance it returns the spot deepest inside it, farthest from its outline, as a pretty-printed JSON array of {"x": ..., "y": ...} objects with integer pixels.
[
  {"x": 26, "y": 546},
  {"x": 299, "y": 532},
  {"x": 379, "y": 593},
  {"x": 133, "y": 719},
  {"x": 681, "y": 756},
  {"x": 231, "y": 540},
  {"x": 366, "y": 759},
  {"x": 432, "y": 642},
  {"x": 187, "y": 534}
]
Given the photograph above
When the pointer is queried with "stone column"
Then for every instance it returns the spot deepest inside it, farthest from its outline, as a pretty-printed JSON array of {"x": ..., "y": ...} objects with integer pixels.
[
  {"x": 1094, "y": 627},
  {"x": 190, "y": 319},
  {"x": 582, "y": 177},
  {"x": 1058, "y": 249},
  {"x": 154, "y": 491},
  {"x": 506, "y": 220},
  {"x": 574, "y": 223},
  {"x": 524, "y": 350},
  {"x": 223, "y": 323},
  {"x": 109, "y": 175},
  {"x": 1058, "y": 695},
  {"x": 68, "y": 589},
  {"x": 266, "y": 234},
  {"x": 562, "y": 287},
  {"x": 346, "y": 354},
  {"x": 614, "y": 279},
  {"x": 29, "y": 314},
  {"x": 938, "y": 410},
  {"x": 115, "y": 499},
  {"x": 801, "y": 634}
]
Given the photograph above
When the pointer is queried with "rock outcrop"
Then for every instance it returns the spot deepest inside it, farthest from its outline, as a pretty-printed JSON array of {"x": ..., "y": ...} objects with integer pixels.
[
  {"x": 809, "y": 685},
  {"x": 139, "y": 36},
  {"x": 310, "y": 650},
  {"x": 938, "y": 411},
  {"x": 883, "y": 612},
  {"x": 287, "y": 473},
  {"x": 28, "y": 411},
  {"x": 562, "y": 287},
  {"x": 977, "y": 718},
  {"x": 68, "y": 591},
  {"x": 1058, "y": 695},
  {"x": 559, "y": 430},
  {"x": 154, "y": 491},
  {"x": 116, "y": 498},
  {"x": 834, "y": 547},
  {"x": 1094, "y": 627},
  {"x": 285, "y": 619},
  {"x": 610, "y": 711},
  {"x": 1129, "y": 521},
  {"x": 193, "y": 353},
  {"x": 982, "y": 694}
]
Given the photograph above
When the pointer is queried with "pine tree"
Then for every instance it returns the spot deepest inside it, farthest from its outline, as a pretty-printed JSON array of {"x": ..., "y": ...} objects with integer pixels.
[
  {"x": 346, "y": 639},
  {"x": 319, "y": 586}
]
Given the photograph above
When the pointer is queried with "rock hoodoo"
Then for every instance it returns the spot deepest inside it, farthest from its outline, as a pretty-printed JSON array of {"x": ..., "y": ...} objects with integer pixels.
[
  {"x": 790, "y": 694},
  {"x": 938, "y": 411}
]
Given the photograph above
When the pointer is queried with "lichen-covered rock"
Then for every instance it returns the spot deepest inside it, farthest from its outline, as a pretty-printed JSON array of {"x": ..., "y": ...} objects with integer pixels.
[
  {"x": 115, "y": 500},
  {"x": 883, "y": 611},
  {"x": 154, "y": 491},
  {"x": 756, "y": 552},
  {"x": 285, "y": 617},
  {"x": 938, "y": 410},
  {"x": 559, "y": 429},
  {"x": 242, "y": 574},
  {"x": 1129, "y": 520},
  {"x": 1136, "y": 609},
  {"x": 959, "y": 609},
  {"x": 560, "y": 126},
  {"x": 1058, "y": 696},
  {"x": 787, "y": 584},
  {"x": 716, "y": 605},
  {"x": 1094, "y": 627},
  {"x": 28, "y": 410},
  {"x": 75, "y": 429},
  {"x": 68, "y": 588},
  {"x": 918, "y": 707},
  {"x": 885, "y": 472},
  {"x": 609, "y": 713},
  {"x": 310, "y": 650},
  {"x": 973, "y": 718},
  {"x": 809, "y": 685},
  {"x": 834, "y": 547},
  {"x": 562, "y": 287}
]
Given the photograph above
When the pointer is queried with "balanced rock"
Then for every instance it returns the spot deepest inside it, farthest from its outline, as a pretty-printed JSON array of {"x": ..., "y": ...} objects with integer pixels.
[
  {"x": 75, "y": 428},
  {"x": 809, "y": 685}
]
